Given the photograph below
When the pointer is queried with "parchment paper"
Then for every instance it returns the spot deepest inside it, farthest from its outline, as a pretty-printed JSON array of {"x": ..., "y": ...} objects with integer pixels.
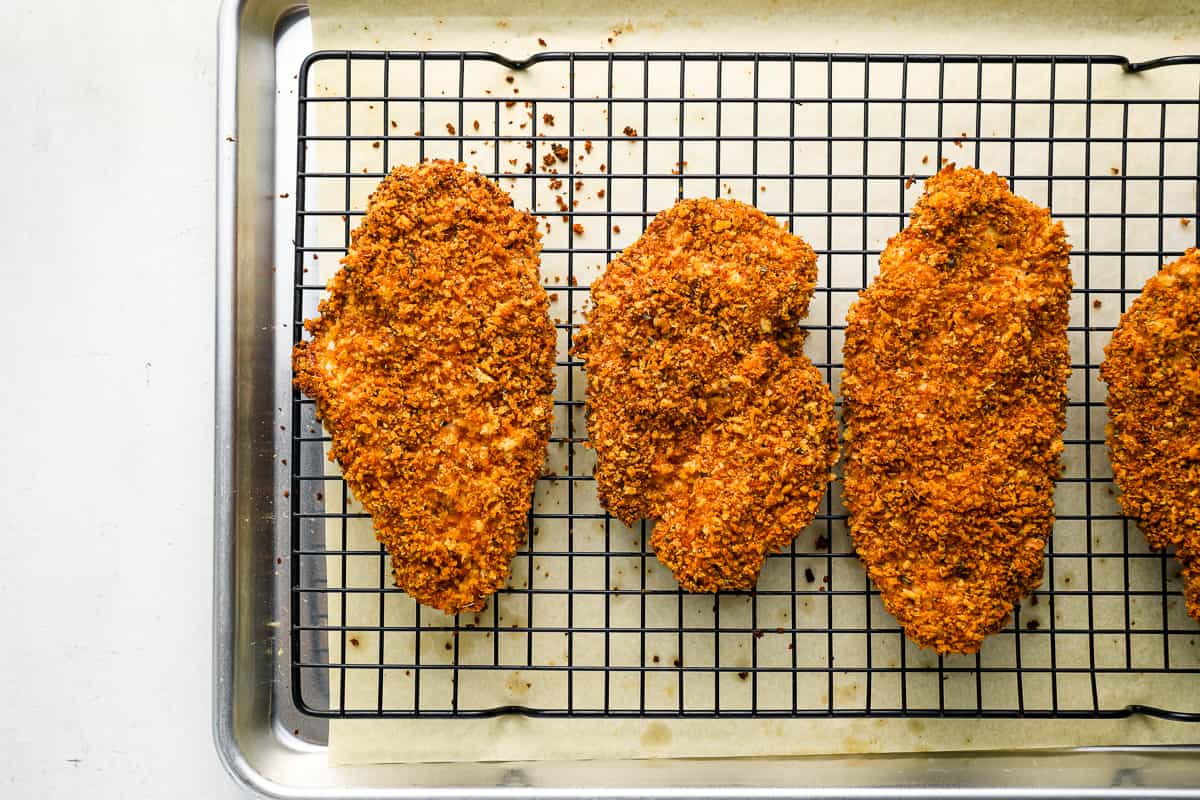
[{"x": 1138, "y": 30}]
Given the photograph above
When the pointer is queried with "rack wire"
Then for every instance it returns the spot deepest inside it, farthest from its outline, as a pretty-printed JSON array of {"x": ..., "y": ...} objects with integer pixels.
[{"x": 836, "y": 146}]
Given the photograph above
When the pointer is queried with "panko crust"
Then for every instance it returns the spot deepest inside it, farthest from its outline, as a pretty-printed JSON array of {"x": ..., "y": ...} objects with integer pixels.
[
  {"x": 704, "y": 413},
  {"x": 1152, "y": 369},
  {"x": 432, "y": 368},
  {"x": 955, "y": 388}
]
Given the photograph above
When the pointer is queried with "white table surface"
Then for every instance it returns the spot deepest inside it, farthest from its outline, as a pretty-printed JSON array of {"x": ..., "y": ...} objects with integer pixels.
[{"x": 107, "y": 267}]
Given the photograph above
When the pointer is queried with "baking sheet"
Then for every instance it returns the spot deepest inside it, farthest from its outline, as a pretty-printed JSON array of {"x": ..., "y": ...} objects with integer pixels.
[{"x": 369, "y": 25}]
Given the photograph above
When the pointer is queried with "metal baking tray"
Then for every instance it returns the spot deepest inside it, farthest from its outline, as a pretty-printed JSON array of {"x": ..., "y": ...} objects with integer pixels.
[{"x": 263, "y": 736}]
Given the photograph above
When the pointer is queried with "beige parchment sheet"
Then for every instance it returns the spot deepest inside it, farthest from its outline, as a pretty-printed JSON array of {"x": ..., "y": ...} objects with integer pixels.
[{"x": 1138, "y": 30}]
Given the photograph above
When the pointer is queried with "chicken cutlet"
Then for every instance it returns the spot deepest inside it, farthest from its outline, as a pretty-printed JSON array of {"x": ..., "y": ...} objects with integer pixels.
[
  {"x": 955, "y": 387},
  {"x": 1152, "y": 369},
  {"x": 432, "y": 368},
  {"x": 704, "y": 413}
]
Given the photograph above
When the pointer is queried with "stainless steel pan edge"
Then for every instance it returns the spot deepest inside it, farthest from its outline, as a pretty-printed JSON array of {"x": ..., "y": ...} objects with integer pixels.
[{"x": 254, "y": 724}]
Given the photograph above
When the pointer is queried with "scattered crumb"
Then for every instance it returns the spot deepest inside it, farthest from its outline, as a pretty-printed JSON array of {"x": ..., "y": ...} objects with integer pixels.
[
  {"x": 578, "y": 229},
  {"x": 284, "y": 196},
  {"x": 822, "y": 542},
  {"x": 809, "y": 576},
  {"x": 1114, "y": 170},
  {"x": 599, "y": 193},
  {"x": 475, "y": 124},
  {"x": 561, "y": 151},
  {"x": 548, "y": 119},
  {"x": 509, "y": 104},
  {"x": 676, "y": 662},
  {"x": 616, "y": 228},
  {"x": 548, "y": 160},
  {"x": 908, "y": 183},
  {"x": 1096, "y": 303},
  {"x": 375, "y": 145},
  {"x": 450, "y": 129},
  {"x": 743, "y": 675},
  {"x": 1033, "y": 624},
  {"x": 542, "y": 41},
  {"x": 578, "y": 185},
  {"x": 556, "y": 183},
  {"x": 587, "y": 146},
  {"x": 353, "y": 641},
  {"x": 1185, "y": 222},
  {"x": 394, "y": 123},
  {"x": 630, "y": 130},
  {"x": 509, "y": 78},
  {"x": 925, "y": 159}
]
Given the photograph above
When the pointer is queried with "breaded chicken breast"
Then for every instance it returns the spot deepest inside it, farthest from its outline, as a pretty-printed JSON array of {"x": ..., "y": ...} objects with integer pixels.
[
  {"x": 955, "y": 386},
  {"x": 432, "y": 368},
  {"x": 1152, "y": 368},
  {"x": 704, "y": 413}
]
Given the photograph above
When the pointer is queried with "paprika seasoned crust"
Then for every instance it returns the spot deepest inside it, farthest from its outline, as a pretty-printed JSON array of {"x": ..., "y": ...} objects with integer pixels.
[
  {"x": 955, "y": 386},
  {"x": 432, "y": 368},
  {"x": 704, "y": 413},
  {"x": 1152, "y": 368}
]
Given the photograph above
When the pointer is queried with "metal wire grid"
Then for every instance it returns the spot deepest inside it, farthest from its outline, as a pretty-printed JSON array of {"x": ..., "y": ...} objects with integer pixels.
[{"x": 836, "y": 146}]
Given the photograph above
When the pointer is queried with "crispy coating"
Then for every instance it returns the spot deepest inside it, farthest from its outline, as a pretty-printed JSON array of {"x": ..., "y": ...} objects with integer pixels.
[
  {"x": 1152, "y": 368},
  {"x": 704, "y": 413},
  {"x": 955, "y": 387},
  {"x": 432, "y": 367}
]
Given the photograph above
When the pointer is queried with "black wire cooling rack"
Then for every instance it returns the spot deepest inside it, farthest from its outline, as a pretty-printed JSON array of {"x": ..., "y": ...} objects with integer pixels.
[{"x": 836, "y": 146}]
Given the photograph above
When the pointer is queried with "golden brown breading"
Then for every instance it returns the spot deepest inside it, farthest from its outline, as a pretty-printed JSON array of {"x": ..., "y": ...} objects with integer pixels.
[
  {"x": 703, "y": 411},
  {"x": 1152, "y": 368},
  {"x": 432, "y": 367},
  {"x": 955, "y": 387}
]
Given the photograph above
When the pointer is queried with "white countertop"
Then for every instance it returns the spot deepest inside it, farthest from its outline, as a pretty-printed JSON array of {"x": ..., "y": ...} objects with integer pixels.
[{"x": 107, "y": 265}]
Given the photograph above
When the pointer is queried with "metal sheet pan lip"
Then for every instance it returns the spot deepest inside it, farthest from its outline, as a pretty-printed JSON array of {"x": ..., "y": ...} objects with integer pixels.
[{"x": 223, "y": 565}]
